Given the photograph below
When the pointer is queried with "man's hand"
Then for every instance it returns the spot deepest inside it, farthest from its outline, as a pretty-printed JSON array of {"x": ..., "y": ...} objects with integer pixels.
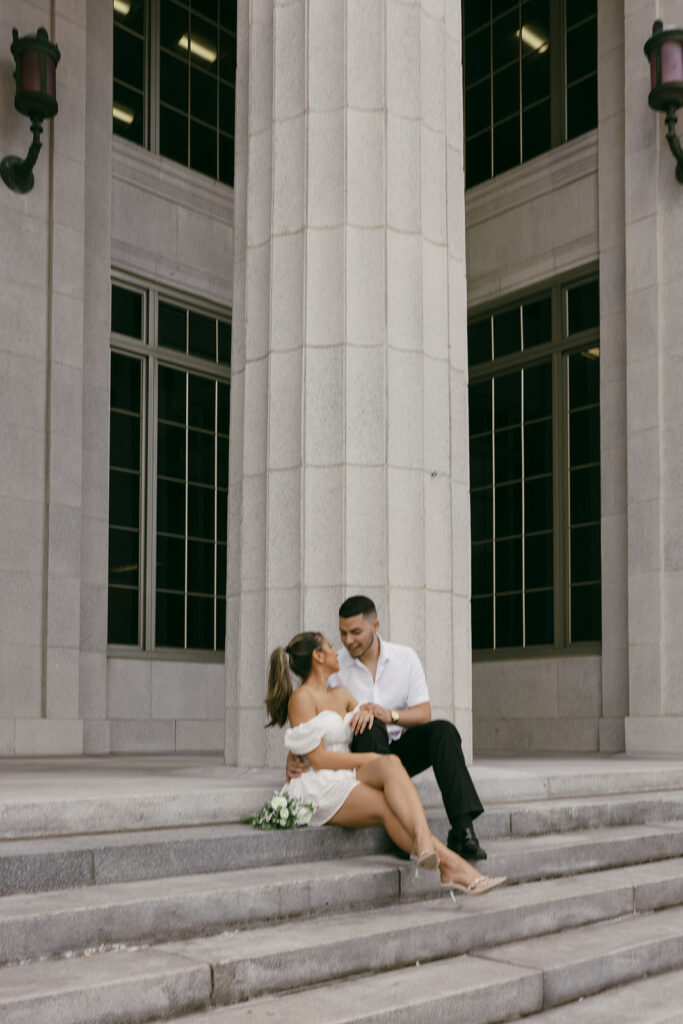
[
  {"x": 295, "y": 766},
  {"x": 366, "y": 715}
]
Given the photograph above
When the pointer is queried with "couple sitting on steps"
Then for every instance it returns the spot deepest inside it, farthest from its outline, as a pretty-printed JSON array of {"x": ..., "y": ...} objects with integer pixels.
[{"x": 364, "y": 726}]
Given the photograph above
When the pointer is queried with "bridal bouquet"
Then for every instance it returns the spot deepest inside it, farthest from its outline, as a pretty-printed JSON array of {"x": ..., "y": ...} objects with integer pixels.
[{"x": 282, "y": 811}]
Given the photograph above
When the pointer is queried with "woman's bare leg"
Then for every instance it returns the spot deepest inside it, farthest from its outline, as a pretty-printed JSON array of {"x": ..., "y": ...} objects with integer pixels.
[
  {"x": 366, "y": 806},
  {"x": 388, "y": 775}
]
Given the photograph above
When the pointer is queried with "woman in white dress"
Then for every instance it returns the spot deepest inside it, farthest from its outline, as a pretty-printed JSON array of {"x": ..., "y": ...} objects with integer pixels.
[{"x": 352, "y": 790}]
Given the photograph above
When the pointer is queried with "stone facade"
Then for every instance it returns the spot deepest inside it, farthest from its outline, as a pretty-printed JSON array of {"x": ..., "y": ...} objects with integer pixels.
[{"x": 356, "y": 253}]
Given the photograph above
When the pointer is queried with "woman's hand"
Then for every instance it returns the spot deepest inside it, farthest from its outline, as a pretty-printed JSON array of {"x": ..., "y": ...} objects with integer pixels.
[
  {"x": 363, "y": 719},
  {"x": 295, "y": 766}
]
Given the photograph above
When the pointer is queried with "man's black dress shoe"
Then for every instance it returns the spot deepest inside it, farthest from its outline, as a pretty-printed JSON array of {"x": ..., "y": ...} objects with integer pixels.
[{"x": 464, "y": 841}]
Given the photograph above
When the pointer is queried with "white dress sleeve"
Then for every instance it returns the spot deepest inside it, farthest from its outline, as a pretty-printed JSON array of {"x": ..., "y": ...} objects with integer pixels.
[{"x": 304, "y": 738}]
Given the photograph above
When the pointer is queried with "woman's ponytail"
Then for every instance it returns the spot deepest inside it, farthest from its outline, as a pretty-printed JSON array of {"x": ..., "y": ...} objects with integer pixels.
[
  {"x": 279, "y": 687},
  {"x": 297, "y": 656}
]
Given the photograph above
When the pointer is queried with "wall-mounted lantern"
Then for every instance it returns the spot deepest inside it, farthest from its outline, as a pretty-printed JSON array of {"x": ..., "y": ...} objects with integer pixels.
[
  {"x": 664, "y": 50},
  {"x": 36, "y": 60}
]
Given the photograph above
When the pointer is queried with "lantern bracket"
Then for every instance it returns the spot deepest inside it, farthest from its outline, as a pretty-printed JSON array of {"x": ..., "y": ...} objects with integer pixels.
[
  {"x": 16, "y": 173},
  {"x": 673, "y": 140},
  {"x": 36, "y": 59}
]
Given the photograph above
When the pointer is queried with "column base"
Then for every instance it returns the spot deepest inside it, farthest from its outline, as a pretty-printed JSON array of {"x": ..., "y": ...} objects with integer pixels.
[
  {"x": 48, "y": 737},
  {"x": 654, "y": 735}
]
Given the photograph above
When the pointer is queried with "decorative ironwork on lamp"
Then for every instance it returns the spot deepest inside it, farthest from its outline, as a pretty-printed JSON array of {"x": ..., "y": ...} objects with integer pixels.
[
  {"x": 664, "y": 50},
  {"x": 36, "y": 59}
]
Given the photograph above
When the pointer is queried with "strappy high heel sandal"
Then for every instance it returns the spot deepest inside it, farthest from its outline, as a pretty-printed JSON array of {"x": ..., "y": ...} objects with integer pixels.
[
  {"x": 428, "y": 860},
  {"x": 477, "y": 887}
]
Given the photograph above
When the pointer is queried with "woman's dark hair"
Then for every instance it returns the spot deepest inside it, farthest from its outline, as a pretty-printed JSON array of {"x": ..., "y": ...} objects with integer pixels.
[
  {"x": 358, "y": 605},
  {"x": 297, "y": 656}
]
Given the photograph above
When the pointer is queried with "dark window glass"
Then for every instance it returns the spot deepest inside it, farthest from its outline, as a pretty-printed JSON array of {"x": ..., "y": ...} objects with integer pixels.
[
  {"x": 200, "y": 628},
  {"x": 508, "y": 510},
  {"x": 226, "y": 121},
  {"x": 172, "y": 327},
  {"x": 516, "y": 58},
  {"x": 583, "y": 307},
  {"x": 123, "y": 616},
  {"x": 203, "y": 149},
  {"x": 509, "y": 620},
  {"x": 222, "y": 513},
  {"x": 221, "y": 567},
  {"x": 224, "y": 342},
  {"x": 220, "y": 622},
  {"x": 226, "y": 159},
  {"x": 202, "y": 337},
  {"x": 584, "y": 379},
  {"x": 508, "y": 395},
  {"x": 506, "y": 151},
  {"x": 479, "y": 342},
  {"x": 128, "y": 113},
  {"x": 584, "y": 490},
  {"x": 539, "y": 625},
  {"x": 126, "y": 312},
  {"x": 200, "y": 512},
  {"x": 482, "y": 623},
  {"x": 174, "y": 25},
  {"x": 128, "y": 58},
  {"x": 508, "y": 448},
  {"x": 507, "y": 333},
  {"x": 204, "y": 91},
  {"x": 124, "y": 557},
  {"x": 133, "y": 18},
  {"x": 124, "y": 498},
  {"x": 223, "y": 408},
  {"x": 537, "y": 322},
  {"x": 172, "y": 395},
  {"x": 536, "y": 130},
  {"x": 480, "y": 407},
  {"x": 538, "y": 561},
  {"x": 585, "y": 553},
  {"x": 170, "y": 620},
  {"x": 173, "y": 82},
  {"x": 582, "y": 49},
  {"x": 200, "y": 567},
  {"x": 538, "y": 447},
  {"x": 125, "y": 382},
  {"x": 170, "y": 563},
  {"x": 201, "y": 455},
  {"x": 586, "y": 621},
  {"x": 481, "y": 461},
  {"x": 202, "y": 403},
  {"x": 584, "y": 437},
  {"x": 124, "y": 443},
  {"x": 171, "y": 506},
  {"x": 482, "y": 569},
  {"x": 481, "y": 503},
  {"x": 582, "y": 107},
  {"x": 517, "y": 558},
  {"x": 173, "y": 135},
  {"x": 171, "y": 451},
  {"x": 509, "y": 565},
  {"x": 222, "y": 461},
  {"x": 505, "y": 93},
  {"x": 538, "y": 395},
  {"x": 538, "y": 506}
]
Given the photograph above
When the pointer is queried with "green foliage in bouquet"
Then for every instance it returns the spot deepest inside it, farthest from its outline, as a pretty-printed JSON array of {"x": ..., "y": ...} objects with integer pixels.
[{"x": 282, "y": 811}]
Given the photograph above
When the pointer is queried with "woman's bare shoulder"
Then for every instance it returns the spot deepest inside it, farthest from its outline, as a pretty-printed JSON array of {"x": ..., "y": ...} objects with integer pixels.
[{"x": 301, "y": 707}]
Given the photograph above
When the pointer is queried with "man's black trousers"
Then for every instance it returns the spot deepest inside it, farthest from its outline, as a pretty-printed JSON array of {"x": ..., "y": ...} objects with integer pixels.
[{"x": 437, "y": 744}]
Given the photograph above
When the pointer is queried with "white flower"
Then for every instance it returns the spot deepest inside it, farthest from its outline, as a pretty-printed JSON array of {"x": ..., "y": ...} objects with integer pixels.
[{"x": 278, "y": 802}]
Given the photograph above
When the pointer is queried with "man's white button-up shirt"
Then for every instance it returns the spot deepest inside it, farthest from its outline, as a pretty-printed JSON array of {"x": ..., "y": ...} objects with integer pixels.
[{"x": 399, "y": 681}]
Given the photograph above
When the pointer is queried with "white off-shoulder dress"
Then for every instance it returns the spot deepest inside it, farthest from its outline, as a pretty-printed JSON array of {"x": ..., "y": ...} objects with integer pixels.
[{"x": 329, "y": 787}]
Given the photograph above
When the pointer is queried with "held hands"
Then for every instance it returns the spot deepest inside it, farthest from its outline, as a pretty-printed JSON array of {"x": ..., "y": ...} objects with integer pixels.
[
  {"x": 295, "y": 766},
  {"x": 366, "y": 715}
]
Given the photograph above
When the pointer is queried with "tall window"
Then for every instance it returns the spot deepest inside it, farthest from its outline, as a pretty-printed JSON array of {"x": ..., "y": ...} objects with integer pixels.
[
  {"x": 535, "y": 471},
  {"x": 530, "y": 79},
  {"x": 170, "y": 406},
  {"x": 174, "y": 80}
]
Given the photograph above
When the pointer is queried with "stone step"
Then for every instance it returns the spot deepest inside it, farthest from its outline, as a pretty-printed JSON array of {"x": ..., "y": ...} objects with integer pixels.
[
  {"x": 123, "y": 988},
  {"x": 35, "y": 865},
  {"x": 246, "y": 965},
  {"x": 567, "y": 966},
  {"x": 656, "y": 1000},
  {"x": 174, "y": 978},
  {"x": 164, "y": 796},
  {"x": 46, "y": 923}
]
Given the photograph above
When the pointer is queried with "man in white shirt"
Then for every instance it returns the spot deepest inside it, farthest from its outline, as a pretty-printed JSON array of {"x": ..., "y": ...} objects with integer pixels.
[{"x": 395, "y": 717}]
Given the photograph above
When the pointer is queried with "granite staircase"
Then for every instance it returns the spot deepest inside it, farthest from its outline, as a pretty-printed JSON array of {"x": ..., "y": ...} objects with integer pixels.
[{"x": 124, "y": 910}]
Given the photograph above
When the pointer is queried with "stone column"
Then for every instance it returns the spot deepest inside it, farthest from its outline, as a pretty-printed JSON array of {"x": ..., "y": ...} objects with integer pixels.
[
  {"x": 654, "y": 313},
  {"x": 349, "y": 468}
]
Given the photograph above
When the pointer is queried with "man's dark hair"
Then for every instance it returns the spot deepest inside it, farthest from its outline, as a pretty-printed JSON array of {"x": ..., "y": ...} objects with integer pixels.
[{"x": 357, "y": 605}]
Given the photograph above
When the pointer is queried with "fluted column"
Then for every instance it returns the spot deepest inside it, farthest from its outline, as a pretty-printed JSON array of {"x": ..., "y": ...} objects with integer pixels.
[{"x": 349, "y": 402}]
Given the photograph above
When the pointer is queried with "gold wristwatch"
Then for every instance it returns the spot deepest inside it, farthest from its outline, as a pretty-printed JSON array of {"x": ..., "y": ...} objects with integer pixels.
[{"x": 394, "y": 717}]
